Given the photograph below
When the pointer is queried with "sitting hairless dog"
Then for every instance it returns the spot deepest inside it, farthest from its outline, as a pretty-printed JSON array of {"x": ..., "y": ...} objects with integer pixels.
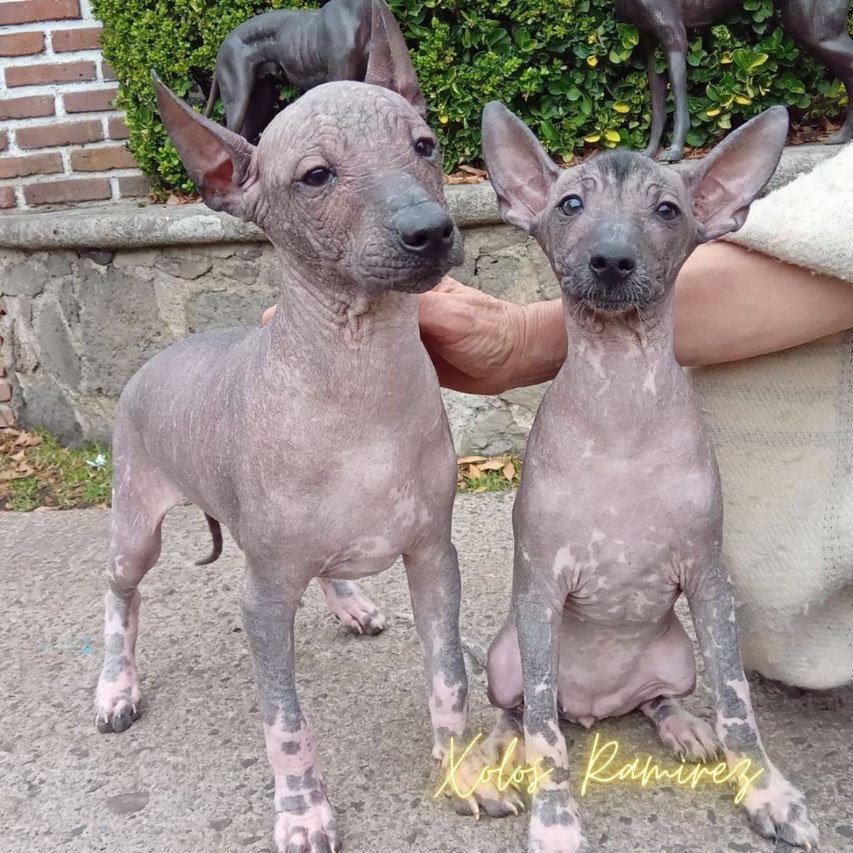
[
  {"x": 820, "y": 27},
  {"x": 620, "y": 509},
  {"x": 347, "y": 183},
  {"x": 307, "y": 47}
]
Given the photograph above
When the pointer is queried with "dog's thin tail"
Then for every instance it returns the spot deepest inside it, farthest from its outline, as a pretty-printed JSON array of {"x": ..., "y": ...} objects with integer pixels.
[
  {"x": 216, "y": 535},
  {"x": 477, "y": 651},
  {"x": 474, "y": 649},
  {"x": 211, "y": 100}
]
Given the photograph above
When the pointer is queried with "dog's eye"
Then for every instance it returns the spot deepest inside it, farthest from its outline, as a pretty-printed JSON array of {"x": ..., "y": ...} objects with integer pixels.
[
  {"x": 425, "y": 147},
  {"x": 571, "y": 205},
  {"x": 318, "y": 177},
  {"x": 668, "y": 211}
]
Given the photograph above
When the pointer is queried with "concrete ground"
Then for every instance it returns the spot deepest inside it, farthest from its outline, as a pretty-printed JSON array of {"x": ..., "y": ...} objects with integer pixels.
[{"x": 191, "y": 775}]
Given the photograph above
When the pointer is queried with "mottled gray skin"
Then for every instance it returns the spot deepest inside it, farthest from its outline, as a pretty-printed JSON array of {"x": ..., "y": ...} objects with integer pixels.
[
  {"x": 320, "y": 440},
  {"x": 620, "y": 509},
  {"x": 819, "y": 26},
  {"x": 307, "y": 47}
]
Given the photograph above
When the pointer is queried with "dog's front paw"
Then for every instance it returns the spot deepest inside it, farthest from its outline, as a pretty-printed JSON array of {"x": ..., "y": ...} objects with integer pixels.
[
  {"x": 478, "y": 783},
  {"x": 555, "y": 825},
  {"x": 117, "y": 700},
  {"x": 309, "y": 828},
  {"x": 779, "y": 811},
  {"x": 672, "y": 155}
]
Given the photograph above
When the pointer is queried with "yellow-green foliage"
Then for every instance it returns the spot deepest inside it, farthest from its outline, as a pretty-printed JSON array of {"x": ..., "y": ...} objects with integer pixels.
[{"x": 564, "y": 65}]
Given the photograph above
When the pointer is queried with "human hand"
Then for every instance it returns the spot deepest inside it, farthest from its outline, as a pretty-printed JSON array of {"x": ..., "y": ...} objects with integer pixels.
[{"x": 473, "y": 339}]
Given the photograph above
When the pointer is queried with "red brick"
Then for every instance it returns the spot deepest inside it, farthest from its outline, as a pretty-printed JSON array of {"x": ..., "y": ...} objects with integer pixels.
[
  {"x": 26, "y": 11},
  {"x": 90, "y": 101},
  {"x": 36, "y": 75},
  {"x": 5, "y": 390},
  {"x": 7, "y": 416},
  {"x": 82, "y": 39},
  {"x": 33, "y": 107},
  {"x": 21, "y": 44},
  {"x": 133, "y": 187},
  {"x": 70, "y": 190},
  {"x": 107, "y": 72},
  {"x": 102, "y": 158},
  {"x": 34, "y": 164},
  {"x": 118, "y": 128},
  {"x": 69, "y": 133},
  {"x": 7, "y": 198},
  {"x": 4, "y": 141}
]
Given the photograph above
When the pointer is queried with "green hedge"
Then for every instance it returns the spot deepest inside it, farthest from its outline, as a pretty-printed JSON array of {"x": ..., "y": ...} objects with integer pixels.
[{"x": 564, "y": 65}]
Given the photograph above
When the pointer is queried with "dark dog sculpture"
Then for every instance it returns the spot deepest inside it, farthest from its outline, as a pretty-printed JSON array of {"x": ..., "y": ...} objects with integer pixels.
[
  {"x": 307, "y": 48},
  {"x": 819, "y": 26}
]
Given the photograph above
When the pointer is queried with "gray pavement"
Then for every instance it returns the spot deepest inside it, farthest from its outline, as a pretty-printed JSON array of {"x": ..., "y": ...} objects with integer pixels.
[{"x": 191, "y": 775}]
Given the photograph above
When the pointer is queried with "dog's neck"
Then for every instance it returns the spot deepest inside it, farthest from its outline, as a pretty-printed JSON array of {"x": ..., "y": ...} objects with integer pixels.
[
  {"x": 629, "y": 356},
  {"x": 331, "y": 316}
]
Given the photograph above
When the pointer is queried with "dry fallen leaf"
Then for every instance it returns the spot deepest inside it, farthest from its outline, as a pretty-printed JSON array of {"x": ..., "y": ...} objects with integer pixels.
[
  {"x": 509, "y": 470},
  {"x": 467, "y": 460},
  {"x": 473, "y": 473},
  {"x": 493, "y": 464},
  {"x": 479, "y": 490},
  {"x": 25, "y": 439},
  {"x": 17, "y": 457}
]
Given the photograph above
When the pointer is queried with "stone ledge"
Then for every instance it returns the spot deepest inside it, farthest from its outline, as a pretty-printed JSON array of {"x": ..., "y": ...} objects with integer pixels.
[{"x": 119, "y": 225}]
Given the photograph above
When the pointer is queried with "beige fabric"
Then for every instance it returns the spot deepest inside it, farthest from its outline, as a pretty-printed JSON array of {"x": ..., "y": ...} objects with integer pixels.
[
  {"x": 783, "y": 428},
  {"x": 809, "y": 222}
]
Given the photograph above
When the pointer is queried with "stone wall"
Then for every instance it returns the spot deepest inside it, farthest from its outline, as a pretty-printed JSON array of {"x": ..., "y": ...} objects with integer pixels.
[
  {"x": 79, "y": 322},
  {"x": 90, "y": 294},
  {"x": 62, "y": 140}
]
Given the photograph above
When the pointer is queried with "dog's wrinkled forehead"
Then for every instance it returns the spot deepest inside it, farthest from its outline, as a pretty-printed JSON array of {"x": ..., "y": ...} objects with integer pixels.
[
  {"x": 626, "y": 177},
  {"x": 343, "y": 117}
]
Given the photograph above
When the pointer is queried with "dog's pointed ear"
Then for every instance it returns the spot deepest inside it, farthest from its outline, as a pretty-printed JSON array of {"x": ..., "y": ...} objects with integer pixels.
[
  {"x": 729, "y": 179},
  {"x": 519, "y": 168},
  {"x": 389, "y": 64},
  {"x": 220, "y": 162}
]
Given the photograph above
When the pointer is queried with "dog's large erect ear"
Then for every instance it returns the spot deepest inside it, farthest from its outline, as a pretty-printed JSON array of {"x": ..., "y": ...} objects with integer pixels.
[
  {"x": 519, "y": 168},
  {"x": 729, "y": 179},
  {"x": 389, "y": 64},
  {"x": 220, "y": 162}
]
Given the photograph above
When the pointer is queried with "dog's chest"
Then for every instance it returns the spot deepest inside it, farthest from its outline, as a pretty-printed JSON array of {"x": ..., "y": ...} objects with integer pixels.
[
  {"x": 355, "y": 489},
  {"x": 621, "y": 525}
]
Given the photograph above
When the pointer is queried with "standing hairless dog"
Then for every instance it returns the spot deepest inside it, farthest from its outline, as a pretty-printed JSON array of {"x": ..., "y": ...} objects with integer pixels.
[
  {"x": 308, "y": 47},
  {"x": 259, "y": 426},
  {"x": 820, "y": 27},
  {"x": 620, "y": 509}
]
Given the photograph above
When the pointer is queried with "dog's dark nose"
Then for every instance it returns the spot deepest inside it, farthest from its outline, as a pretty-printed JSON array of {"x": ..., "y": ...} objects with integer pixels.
[
  {"x": 425, "y": 228},
  {"x": 613, "y": 262}
]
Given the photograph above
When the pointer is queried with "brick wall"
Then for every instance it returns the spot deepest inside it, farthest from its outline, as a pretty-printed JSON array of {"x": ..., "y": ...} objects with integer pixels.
[{"x": 61, "y": 141}]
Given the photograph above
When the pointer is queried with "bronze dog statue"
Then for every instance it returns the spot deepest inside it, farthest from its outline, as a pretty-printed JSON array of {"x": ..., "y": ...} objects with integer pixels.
[
  {"x": 307, "y": 48},
  {"x": 819, "y": 26}
]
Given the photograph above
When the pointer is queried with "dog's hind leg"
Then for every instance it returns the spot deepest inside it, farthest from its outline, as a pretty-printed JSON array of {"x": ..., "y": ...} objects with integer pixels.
[
  {"x": 821, "y": 28},
  {"x": 687, "y": 736},
  {"x": 674, "y": 40},
  {"x": 352, "y": 607},
  {"x": 657, "y": 89},
  {"x": 141, "y": 496}
]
